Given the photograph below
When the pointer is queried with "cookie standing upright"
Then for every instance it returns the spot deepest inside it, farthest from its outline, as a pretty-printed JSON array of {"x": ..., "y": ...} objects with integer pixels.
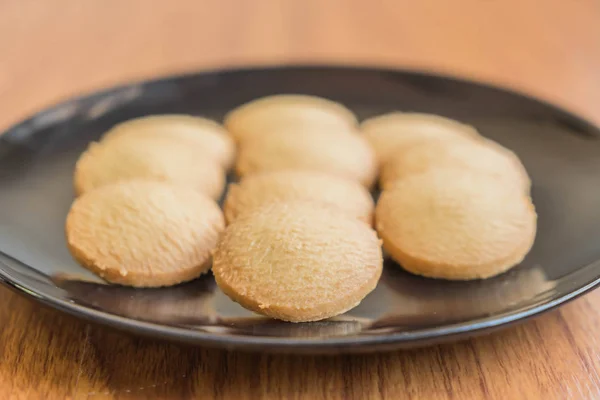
[
  {"x": 255, "y": 191},
  {"x": 207, "y": 136},
  {"x": 288, "y": 114},
  {"x": 297, "y": 261},
  {"x": 153, "y": 158},
  {"x": 144, "y": 233},
  {"x": 344, "y": 155},
  {"x": 388, "y": 131},
  {"x": 455, "y": 224}
]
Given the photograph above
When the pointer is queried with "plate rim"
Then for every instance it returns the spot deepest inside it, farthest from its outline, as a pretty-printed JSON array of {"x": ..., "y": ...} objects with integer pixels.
[
  {"x": 335, "y": 344},
  {"x": 119, "y": 86}
]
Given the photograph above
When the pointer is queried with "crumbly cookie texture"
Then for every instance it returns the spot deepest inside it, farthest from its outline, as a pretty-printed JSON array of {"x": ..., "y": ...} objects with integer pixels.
[
  {"x": 456, "y": 224},
  {"x": 388, "y": 131},
  {"x": 154, "y": 158},
  {"x": 484, "y": 156},
  {"x": 207, "y": 136},
  {"x": 289, "y": 185},
  {"x": 297, "y": 261},
  {"x": 144, "y": 233},
  {"x": 340, "y": 154}
]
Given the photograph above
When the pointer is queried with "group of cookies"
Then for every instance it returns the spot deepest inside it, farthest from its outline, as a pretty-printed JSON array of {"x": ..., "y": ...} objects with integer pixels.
[
  {"x": 146, "y": 213},
  {"x": 454, "y": 205},
  {"x": 295, "y": 240}
]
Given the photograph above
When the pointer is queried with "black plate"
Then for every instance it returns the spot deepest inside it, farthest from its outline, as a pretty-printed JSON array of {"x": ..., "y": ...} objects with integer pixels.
[{"x": 560, "y": 150}]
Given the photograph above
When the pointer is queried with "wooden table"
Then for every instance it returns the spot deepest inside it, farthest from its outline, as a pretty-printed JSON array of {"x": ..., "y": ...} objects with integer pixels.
[{"x": 50, "y": 50}]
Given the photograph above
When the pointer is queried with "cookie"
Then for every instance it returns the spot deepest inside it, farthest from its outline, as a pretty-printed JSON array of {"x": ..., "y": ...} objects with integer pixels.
[
  {"x": 287, "y": 113},
  {"x": 210, "y": 137},
  {"x": 297, "y": 261},
  {"x": 155, "y": 158},
  {"x": 289, "y": 185},
  {"x": 483, "y": 156},
  {"x": 455, "y": 224},
  {"x": 144, "y": 233},
  {"x": 388, "y": 131},
  {"x": 343, "y": 155}
]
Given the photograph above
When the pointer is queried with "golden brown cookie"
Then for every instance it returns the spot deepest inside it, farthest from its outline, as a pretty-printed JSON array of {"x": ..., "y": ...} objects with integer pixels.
[
  {"x": 155, "y": 158},
  {"x": 288, "y": 113},
  {"x": 289, "y": 185},
  {"x": 388, "y": 131},
  {"x": 483, "y": 156},
  {"x": 297, "y": 261},
  {"x": 340, "y": 154},
  {"x": 455, "y": 224},
  {"x": 210, "y": 137},
  {"x": 144, "y": 233}
]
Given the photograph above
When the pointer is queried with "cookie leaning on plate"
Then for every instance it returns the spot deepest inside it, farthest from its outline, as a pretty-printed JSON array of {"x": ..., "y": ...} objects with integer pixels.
[
  {"x": 208, "y": 137},
  {"x": 297, "y": 261},
  {"x": 388, "y": 131},
  {"x": 341, "y": 154},
  {"x": 288, "y": 113},
  {"x": 154, "y": 158},
  {"x": 144, "y": 233},
  {"x": 288, "y": 185},
  {"x": 455, "y": 224}
]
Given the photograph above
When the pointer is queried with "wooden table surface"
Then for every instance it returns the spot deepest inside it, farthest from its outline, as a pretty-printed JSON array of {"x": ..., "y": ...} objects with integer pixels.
[{"x": 50, "y": 50}]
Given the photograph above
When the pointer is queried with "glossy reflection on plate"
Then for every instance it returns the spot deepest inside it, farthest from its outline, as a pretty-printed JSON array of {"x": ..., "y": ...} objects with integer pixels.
[{"x": 560, "y": 151}]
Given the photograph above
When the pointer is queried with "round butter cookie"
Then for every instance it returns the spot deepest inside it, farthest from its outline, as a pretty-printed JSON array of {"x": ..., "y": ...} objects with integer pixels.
[
  {"x": 154, "y": 158},
  {"x": 455, "y": 224},
  {"x": 144, "y": 233},
  {"x": 343, "y": 155},
  {"x": 388, "y": 131},
  {"x": 297, "y": 261},
  {"x": 209, "y": 137},
  {"x": 484, "y": 156},
  {"x": 288, "y": 185},
  {"x": 288, "y": 113}
]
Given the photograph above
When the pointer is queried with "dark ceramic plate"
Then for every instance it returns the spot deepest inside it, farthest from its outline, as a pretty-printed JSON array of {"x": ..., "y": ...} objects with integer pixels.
[{"x": 560, "y": 150}]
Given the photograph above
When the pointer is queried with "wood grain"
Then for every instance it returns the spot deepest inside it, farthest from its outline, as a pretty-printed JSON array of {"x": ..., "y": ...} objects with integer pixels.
[{"x": 52, "y": 50}]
